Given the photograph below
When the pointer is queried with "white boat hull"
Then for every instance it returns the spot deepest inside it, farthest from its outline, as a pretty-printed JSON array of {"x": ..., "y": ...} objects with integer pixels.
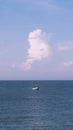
[{"x": 35, "y": 88}]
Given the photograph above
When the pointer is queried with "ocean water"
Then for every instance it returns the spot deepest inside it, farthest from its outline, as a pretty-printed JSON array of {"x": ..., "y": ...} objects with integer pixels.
[{"x": 50, "y": 108}]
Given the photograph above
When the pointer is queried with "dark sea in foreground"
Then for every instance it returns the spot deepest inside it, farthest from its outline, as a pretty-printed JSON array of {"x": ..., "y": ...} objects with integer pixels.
[{"x": 50, "y": 108}]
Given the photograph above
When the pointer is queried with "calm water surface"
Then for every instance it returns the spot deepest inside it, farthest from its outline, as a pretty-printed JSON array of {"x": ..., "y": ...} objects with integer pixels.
[{"x": 50, "y": 108}]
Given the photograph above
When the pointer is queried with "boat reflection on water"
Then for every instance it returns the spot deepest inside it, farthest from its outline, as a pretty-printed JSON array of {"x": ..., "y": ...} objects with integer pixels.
[{"x": 36, "y": 87}]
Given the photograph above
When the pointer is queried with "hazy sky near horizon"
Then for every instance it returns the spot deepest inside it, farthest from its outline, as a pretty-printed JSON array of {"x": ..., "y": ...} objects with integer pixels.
[{"x": 36, "y": 39}]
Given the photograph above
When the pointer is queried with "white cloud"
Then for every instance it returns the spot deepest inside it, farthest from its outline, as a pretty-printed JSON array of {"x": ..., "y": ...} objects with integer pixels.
[{"x": 38, "y": 49}]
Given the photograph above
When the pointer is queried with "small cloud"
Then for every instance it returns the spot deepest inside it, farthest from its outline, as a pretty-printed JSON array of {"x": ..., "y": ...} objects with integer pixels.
[{"x": 65, "y": 47}]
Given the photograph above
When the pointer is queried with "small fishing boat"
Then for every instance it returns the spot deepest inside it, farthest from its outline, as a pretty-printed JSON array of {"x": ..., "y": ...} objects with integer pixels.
[{"x": 36, "y": 87}]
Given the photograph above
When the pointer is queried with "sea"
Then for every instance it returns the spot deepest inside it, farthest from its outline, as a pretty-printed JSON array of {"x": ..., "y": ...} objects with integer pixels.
[{"x": 50, "y": 108}]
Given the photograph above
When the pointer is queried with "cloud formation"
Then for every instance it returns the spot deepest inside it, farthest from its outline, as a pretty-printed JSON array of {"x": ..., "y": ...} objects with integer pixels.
[{"x": 38, "y": 48}]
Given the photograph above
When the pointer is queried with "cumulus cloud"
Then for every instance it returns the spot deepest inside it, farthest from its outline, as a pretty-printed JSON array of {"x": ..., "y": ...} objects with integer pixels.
[{"x": 38, "y": 48}]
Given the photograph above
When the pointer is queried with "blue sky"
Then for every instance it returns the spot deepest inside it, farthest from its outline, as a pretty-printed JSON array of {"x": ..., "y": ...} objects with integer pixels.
[{"x": 36, "y": 39}]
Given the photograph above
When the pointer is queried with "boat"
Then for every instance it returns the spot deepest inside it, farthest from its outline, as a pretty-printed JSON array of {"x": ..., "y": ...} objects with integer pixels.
[{"x": 36, "y": 87}]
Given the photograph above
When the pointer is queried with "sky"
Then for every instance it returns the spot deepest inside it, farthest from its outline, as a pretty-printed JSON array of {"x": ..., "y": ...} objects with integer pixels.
[{"x": 36, "y": 39}]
